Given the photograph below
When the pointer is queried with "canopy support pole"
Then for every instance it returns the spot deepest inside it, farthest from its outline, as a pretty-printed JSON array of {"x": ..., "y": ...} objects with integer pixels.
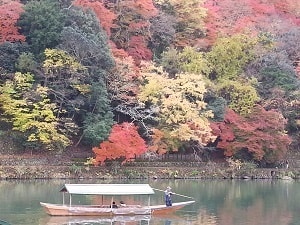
[{"x": 70, "y": 199}]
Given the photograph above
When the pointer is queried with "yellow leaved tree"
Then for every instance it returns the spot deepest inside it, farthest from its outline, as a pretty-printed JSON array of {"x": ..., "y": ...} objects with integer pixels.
[
  {"x": 180, "y": 106},
  {"x": 190, "y": 16}
]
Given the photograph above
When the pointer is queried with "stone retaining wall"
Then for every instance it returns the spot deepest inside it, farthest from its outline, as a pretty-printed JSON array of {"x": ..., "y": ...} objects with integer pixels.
[{"x": 88, "y": 172}]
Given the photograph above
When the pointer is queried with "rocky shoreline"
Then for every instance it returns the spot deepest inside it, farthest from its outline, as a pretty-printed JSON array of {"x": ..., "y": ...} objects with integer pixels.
[{"x": 58, "y": 167}]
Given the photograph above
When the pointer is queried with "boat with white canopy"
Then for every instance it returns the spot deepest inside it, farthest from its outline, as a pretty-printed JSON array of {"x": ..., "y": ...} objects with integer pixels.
[{"x": 112, "y": 190}]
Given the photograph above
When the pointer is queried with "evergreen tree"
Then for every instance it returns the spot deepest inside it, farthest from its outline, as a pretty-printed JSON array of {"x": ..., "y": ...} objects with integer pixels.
[
  {"x": 99, "y": 119},
  {"x": 86, "y": 41},
  {"x": 42, "y": 23}
]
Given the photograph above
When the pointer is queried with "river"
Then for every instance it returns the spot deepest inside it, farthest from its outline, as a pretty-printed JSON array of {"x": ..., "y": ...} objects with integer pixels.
[{"x": 218, "y": 202}]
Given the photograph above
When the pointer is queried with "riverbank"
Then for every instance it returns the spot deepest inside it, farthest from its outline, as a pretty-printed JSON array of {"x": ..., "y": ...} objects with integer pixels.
[{"x": 63, "y": 167}]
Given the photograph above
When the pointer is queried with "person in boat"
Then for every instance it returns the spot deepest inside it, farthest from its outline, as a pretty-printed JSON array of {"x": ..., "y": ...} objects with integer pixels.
[
  {"x": 122, "y": 204},
  {"x": 168, "y": 198},
  {"x": 114, "y": 205}
]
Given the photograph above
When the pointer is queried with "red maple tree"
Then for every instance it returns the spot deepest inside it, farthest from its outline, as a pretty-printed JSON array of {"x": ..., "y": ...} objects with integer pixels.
[
  {"x": 227, "y": 17},
  {"x": 261, "y": 134},
  {"x": 9, "y": 14},
  {"x": 138, "y": 49},
  {"x": 144, "y": 8},
  {"x": 105, "y": 16},
  {"x": 124, "y": 143},
  {"x": 131, "y": 27},
  {"x": 117, "y": 52}
]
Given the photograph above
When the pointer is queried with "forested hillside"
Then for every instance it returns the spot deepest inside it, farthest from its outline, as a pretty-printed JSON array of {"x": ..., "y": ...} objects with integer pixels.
[{"x": 129, "y": 77}]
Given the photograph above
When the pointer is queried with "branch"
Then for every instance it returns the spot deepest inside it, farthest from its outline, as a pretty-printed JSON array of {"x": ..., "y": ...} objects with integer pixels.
[{"x": 140, "y": 114}]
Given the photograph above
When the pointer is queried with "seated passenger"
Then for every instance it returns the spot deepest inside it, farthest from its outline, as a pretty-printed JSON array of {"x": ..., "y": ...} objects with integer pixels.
[
  {"x": 114, "y": 205},
  {"x": 122, "y": 204}
]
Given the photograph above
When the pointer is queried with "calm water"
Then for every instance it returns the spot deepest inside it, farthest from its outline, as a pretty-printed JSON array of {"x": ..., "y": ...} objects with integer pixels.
[{"x": 218, "y": 202}]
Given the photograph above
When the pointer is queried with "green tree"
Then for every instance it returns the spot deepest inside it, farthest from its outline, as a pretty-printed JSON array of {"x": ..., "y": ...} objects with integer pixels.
[
  {"x": 218, "y": 106},
  {"x": 41, "y": 23},
  {"x": 86, "y": 41},
  {"x": 188, "y": 60},
  {"x": 275, "y": 77},
  {"x": 99, "y": 119},
  {"x": 26, "y": 63},
  {"x": 229, "y": 56},
  {"x": 9, "y": 54},
  {"x": 227, "y": 60},
  {"x": 241, "y": 97}
]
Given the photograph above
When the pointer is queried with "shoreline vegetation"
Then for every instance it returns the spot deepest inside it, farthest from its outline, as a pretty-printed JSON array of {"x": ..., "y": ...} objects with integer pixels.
[
  {"x": 57, "y": 167},
  {"x": 156, "y": 78}
]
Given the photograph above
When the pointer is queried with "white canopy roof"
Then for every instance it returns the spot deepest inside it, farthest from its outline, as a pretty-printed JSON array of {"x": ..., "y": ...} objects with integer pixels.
[{"x": 108, "y": 189}]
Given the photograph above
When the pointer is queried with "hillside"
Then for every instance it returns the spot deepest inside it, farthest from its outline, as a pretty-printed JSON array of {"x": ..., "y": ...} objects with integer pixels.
[{"x": 149, "y": 76}]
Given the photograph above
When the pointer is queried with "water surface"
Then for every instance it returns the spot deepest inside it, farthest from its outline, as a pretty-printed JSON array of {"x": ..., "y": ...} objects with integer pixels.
[{"x": 218, "y": 202}]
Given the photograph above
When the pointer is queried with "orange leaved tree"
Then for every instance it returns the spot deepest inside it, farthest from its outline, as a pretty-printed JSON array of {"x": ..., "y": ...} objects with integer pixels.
[
  {"x": 105, "y": 16},
  {"x": 259, "y": 136},
  {"x": 124, "y": 143},
  {"x": 9, "y": 14}
]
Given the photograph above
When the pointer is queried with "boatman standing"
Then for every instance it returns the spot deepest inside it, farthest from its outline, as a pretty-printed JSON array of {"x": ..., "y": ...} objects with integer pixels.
[{"x": 168, "y": 198}]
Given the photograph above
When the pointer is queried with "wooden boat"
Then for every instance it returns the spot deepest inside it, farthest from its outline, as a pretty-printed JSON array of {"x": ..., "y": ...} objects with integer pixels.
[{"x": 106, "y": 209}]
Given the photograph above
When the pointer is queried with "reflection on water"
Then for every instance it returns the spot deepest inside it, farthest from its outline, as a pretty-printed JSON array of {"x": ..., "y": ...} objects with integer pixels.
[
  {"x": 126, "y": 220},
  {"x": 65, "y": 220},
  {"x": 218, "y": 202}
]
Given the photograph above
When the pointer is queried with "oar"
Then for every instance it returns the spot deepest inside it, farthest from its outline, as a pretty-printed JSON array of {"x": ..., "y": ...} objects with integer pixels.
[{"x": 174, "y": 193}]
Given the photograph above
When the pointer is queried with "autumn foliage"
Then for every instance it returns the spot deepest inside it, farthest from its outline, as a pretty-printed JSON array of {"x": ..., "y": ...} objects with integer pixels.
[
  {"x": 9, "y": 14},
  {"x": 158, "y": 145},
  {"x": 227, "y": 17},
  {"x": 122, "y": 82},
  {"x": 124, "y": 143},
  {"x": 138, "y": 49},
  {"x": 261, "y": 135},
  {"x": 105, "y": 16},
  {"x": 167, "y": 68}
]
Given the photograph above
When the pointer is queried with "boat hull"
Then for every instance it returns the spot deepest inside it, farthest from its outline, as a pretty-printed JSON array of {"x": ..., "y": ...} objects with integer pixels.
[
  {"x": 95, "y": 210},
  {"x": 87, "y": 210},
  {"x": 163, "y": 209}
]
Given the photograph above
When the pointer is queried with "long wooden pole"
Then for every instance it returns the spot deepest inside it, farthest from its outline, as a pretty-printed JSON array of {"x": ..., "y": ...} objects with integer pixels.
[{"x": 174, "y": 193}]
